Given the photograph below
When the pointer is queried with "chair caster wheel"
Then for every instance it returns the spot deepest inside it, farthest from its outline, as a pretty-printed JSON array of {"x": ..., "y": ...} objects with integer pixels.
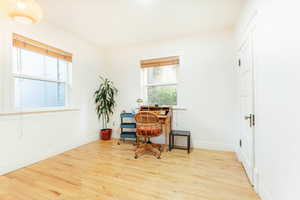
[
  {"x": 135, "y": 157},
  {"x": 118, "y": 143}
]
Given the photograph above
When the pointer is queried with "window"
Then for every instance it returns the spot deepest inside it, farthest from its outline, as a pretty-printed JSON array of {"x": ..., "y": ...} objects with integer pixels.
[
  {"x": 40, "y": 80},
  {"x": 160, "y": 84}
]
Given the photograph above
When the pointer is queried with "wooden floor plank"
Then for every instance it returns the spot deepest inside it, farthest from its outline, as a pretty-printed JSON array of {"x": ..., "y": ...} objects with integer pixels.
[{"x": 107, "y": 171}]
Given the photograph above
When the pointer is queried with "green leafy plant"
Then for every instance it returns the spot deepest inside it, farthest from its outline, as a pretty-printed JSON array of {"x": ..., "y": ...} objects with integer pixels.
[{"x": 105, "y": 100}]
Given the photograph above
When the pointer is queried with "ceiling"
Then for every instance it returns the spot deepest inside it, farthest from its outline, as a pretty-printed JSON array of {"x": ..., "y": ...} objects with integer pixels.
[{"x": 121, "y": 22}]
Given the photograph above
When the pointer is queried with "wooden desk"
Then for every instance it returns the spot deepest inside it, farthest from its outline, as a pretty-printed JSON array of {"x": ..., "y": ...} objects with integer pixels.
[{"x": 165, "y": 118}]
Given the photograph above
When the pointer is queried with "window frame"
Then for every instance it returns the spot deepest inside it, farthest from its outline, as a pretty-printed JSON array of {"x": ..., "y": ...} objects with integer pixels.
[
  {"x": 145, "y": 85},
  {"x": 17, "y": 73}
]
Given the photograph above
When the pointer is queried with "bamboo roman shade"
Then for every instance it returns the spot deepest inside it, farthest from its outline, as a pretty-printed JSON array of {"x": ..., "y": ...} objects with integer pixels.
[
  {"x": 20, "y": 41},
  {"x": 158, "y": 62}
]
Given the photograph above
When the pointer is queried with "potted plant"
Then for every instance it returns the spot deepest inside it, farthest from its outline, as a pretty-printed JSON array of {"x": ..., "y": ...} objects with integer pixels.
[{"x": 105, "y": 103}]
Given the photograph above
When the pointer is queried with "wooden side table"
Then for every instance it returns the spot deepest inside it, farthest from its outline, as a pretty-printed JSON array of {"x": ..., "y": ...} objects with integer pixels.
[{"x": 186, "y": 134}]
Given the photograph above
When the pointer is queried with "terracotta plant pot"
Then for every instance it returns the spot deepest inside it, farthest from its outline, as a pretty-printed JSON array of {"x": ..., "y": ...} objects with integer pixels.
[{"x": 105, "y": 134}]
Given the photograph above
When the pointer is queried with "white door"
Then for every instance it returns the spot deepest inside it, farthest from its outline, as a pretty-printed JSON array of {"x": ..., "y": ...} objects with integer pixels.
[{"x": 246, "y": 99}]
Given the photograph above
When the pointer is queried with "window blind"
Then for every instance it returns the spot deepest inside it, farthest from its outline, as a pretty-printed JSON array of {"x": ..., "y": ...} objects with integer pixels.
[
  {"x": 159, "y": 62},
  {"x": 22, "y": 42}
]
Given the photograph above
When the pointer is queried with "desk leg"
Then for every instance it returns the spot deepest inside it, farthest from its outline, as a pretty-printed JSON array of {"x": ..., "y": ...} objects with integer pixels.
[{"x": 166, "y": 131}]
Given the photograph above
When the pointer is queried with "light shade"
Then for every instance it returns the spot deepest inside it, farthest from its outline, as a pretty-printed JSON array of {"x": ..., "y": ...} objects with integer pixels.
[{"x": 26, "y": 11}]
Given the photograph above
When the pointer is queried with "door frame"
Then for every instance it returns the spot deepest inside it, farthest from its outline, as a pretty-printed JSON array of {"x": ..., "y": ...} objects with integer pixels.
[{"x": 249, "y": 32}]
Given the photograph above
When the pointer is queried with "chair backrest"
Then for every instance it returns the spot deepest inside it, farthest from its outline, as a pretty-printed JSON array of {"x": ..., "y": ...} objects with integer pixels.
[
  {"x": 147, "y": 124},
  {"x": 146, "y": 118}
]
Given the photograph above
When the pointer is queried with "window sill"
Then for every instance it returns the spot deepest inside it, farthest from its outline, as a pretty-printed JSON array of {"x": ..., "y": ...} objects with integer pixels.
[
  {"x": 39, "y": 111},
  {"x": 179, "y": 108},
  {"x": 173, "y": 107}
]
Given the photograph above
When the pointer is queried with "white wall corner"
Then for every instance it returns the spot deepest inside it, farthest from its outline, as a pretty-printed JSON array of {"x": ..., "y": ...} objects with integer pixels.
[
  {"x": 92, "y": 138},
  {"x": 238, "y": 152},
  {"x": 237, "y": 147}
]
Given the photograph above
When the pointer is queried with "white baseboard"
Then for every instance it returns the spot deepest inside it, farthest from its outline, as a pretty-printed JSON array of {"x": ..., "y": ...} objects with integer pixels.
[
  {"x": 213, "y": 146},
  {"x": 263, "y": 190},
  {"x": 196, "y": 144},
  {"x": 265, "y": 196},
  {"x": 259, "y": 186},
  {"x": 256, "y": 180}
]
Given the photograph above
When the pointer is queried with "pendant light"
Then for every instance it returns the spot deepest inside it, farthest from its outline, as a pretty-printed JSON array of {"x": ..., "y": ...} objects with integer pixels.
[{"x": 26, "y": 11}]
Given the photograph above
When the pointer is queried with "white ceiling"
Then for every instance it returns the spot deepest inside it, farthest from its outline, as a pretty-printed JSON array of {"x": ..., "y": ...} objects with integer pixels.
[{"x": 121, "y": 22}]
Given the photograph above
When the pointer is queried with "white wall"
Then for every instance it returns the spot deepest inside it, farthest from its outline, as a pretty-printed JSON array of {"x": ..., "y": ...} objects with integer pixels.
[
  {"x": 277, "y": 52},
  {"x": 206, "y": 84},
  {"x": 25, "y": 139}
]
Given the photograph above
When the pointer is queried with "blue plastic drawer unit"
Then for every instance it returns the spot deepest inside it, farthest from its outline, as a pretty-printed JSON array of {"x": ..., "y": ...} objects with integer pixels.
[
  {"x": 127, "y": 126},
  {"x": 127, "y": 115}
]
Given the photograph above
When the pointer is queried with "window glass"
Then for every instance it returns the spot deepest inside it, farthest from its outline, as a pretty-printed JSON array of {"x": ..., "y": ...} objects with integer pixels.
[
  {"x": 161, "y": 85},
  {"x": 51, "y": 65},
  {"x": 40, "y": 80},
  {"x": 63, "y": 65},
  {"x": 51, "y": 94},
  {"x": 166, "y": 74},
  {"x": 61, "y": 99},
  {"x": 162, "y": 95},
  {"x": 32, "y": 63},
  {"x": 34, "y": 93},
  {"x": 30, "y": 93}
]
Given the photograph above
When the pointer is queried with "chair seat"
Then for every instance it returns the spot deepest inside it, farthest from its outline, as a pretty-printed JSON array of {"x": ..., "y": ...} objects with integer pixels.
[
  {"x": 181, "y": 133},
  {"x": 148, "y": 131}
]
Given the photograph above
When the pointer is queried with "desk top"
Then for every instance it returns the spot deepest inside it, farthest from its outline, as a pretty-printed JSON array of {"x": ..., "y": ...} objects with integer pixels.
[{"x": 161, "y": 112}]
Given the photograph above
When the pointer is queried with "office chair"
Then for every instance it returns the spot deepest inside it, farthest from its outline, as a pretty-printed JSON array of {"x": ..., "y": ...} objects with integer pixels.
[{"x": 147, "y": 127}]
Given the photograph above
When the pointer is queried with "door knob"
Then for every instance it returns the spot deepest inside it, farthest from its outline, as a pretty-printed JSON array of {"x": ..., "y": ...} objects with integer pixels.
[
  {"x": 251, "y": 119},
  {"x": 248, "y": 117}
]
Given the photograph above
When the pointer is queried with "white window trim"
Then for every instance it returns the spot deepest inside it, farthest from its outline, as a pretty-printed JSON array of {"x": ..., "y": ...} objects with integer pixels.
[
  {"x": 161, "y": 84},
  {"x": 145, "y": 85},
  {"x": 15, "y": 75},
  {"x": 68, "y": 83}
]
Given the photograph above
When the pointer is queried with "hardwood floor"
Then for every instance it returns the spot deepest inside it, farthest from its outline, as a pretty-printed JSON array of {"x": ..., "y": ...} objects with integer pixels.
[{"x": 106, "y": 171}]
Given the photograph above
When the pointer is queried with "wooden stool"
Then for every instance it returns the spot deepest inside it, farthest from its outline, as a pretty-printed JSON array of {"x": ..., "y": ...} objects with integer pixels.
[{"x": 180, "y": 133}]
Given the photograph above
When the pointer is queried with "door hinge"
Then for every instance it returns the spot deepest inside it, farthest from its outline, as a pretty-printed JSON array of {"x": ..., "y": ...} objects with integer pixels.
[
  {"x": 241, "y": 143},
  {"x": 240, "y": 62}
]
